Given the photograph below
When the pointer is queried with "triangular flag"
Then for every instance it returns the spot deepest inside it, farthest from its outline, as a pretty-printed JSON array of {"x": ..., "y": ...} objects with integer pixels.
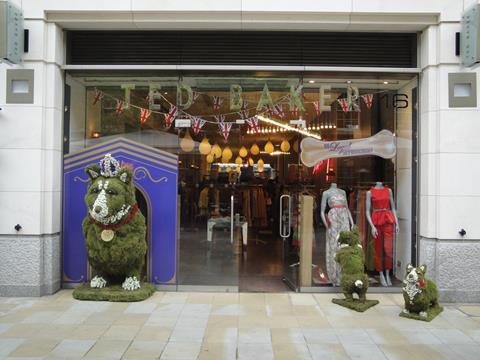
[
  {"x": 225, "y": 129},
  {"x": 295, "y": 111},
  {"x": 195, "y": 95},
  {"x": 253, "y": 123},
  {"x": 98, "y": 96},
  {"x": 344, "y": 104},
  {"x": 368, "y": 100},
  {"x": 119, "y": 107},
  {"x": 144, "y": 115},
  {"x": 217, "y": 102},
  {"x": 172, "y": 114},
  {"x": 278, "y": 110},
  {"x": 197, "y": 124}
]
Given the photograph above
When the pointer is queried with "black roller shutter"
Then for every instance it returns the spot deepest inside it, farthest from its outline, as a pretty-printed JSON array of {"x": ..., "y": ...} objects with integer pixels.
[{"x": 242, "y": 48}]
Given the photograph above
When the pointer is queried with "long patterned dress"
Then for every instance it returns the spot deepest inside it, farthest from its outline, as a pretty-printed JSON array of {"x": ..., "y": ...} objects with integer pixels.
[{"x": 338, "y": 220}]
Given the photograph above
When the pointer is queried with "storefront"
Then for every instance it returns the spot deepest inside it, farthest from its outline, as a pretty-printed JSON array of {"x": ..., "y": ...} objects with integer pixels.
[{"x": 236, "y": 124}]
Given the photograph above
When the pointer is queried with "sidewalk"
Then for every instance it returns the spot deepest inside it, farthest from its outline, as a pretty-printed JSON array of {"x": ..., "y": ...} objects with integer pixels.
[{"x": 231, "y": 326}]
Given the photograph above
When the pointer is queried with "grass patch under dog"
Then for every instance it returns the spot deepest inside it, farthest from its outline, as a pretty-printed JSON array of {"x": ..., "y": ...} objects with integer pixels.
[
  {"x": 113, "y": 293},
  {"x": 356, "y": 304},
  {"x": 431, "y": 314}
]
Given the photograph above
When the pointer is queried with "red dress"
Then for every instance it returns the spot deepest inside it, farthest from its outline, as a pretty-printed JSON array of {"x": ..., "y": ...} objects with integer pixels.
[{"x": 383, "y": 219}]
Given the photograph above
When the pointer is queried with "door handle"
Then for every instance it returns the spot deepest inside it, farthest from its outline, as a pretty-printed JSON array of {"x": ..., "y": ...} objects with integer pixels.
[{"x": 285, "y": 233}]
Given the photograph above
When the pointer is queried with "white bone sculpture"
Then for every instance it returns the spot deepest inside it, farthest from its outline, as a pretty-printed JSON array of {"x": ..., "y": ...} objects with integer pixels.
[{"x": 381, "y": 144}]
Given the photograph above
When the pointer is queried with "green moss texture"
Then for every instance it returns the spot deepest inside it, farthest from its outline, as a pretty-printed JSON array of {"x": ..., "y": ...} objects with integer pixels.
[
  {"x": 355, "y": 304},
  {"x": 113, "y": 293},
  {"x": 351, "y": 259},
  {"x": 124, "y": 255},
  {"x": 431, "y": 314}
]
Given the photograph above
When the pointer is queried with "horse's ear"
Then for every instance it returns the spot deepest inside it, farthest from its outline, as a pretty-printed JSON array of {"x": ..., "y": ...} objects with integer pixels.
[
  {"x": 93, "y": 171},
  {"x": 423, "y": 268},
  {"x": 409, "y": 268},
  {"x": 125, "y": 175}
]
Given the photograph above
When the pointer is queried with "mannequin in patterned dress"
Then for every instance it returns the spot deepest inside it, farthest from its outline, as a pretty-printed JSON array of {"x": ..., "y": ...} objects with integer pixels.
[{"x": 337, "y": 219}]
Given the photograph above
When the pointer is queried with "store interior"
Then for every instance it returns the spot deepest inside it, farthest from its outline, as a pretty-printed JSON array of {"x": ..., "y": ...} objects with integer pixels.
[{"x": 236, "y": 184}]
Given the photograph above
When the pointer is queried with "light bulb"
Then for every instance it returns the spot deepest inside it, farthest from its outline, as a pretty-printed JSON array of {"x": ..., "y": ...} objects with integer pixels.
[
  {"x": 243, "y": 151},
  {"x": 285, "y": 146},
  {"x": 255, "y": 150},
  {"x": 238, "y": 160},
  {"x": 226, "y": 154},
  {"x": 269, "y": 148},
  {"x": 216, "y": 151}
]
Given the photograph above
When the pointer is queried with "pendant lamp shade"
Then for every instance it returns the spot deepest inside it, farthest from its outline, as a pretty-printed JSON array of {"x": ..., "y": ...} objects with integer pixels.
[
  {"x": 255, "y": 150},
  {"x": 285, "y": 146},
  {"x": 187, "y": 144},
  {"x": 204, "y": 147},
  {"x": 269, "y": 148},
  {"x": 216, "y": 151},
  {"x": 238, "y": 160},
  {"x": 250, "y": 161},
  {"x": 210, "y": 158},
  {"x": 226, "y": 154},
  {"x": 243, "y": 152}
]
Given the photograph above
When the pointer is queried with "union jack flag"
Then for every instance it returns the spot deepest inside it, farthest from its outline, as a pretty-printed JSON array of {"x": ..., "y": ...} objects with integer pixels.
[
  {"x": 217, "y": 102},
  {"x": 278, "y": 109},
  {"x": 344, "y": 104},
  {"x": 197, "y": 124},
  {"x": 172, "y": 114},
  {"x": 244, "y": 110},
  {"x": 368, "y": 100},
  {"x": 144, "y": 115},
  {"x": 253, "y": 123},
  {"x": 225, "y": 129},
  {"x": 220, "y": 118},
  {"x": 268, "y": 111},
  {"x": 98, "y": 96},
  {"x": 316, "y": 105},
  {"x": 195, "y": 94},
  {"x": 119, "y": 107}
]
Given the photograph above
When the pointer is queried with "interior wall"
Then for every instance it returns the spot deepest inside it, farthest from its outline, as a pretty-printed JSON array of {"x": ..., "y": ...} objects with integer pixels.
[{"x": 403, "y": 167}]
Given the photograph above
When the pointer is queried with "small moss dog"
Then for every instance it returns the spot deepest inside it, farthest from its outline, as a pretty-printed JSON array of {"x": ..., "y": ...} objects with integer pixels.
[
  {"x": 351, "y": 259},
  {"x": 114, "y": 229},
  {"x": 420, "y": 294}
]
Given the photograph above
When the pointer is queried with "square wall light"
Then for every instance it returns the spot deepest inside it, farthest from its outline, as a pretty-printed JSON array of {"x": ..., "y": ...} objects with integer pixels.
[
  {"x": 19, "y": 86},
  {"x": 462, "y": 89}
]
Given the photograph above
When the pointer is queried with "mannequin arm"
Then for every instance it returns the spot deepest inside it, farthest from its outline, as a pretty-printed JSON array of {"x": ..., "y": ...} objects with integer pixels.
[
  {"x": 323, "y": 206},
  {"x": 394, "y": 211},
  {"x": 369, "y": 218}
]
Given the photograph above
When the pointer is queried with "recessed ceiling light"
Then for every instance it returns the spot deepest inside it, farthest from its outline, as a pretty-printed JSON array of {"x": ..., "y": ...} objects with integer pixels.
[
  {"x": 385, "y": 82},
  {"x": 311, "y": 81},
  {"x": 349, "y": 81}
]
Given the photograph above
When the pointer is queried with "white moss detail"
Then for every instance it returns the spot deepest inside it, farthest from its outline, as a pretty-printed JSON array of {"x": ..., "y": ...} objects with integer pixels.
[
  {"x": 411, "y": 289},
  {"x": 98, "y": 282},
  {"x": 131, "y": 283},
  {"x": 359, "y": 283}
]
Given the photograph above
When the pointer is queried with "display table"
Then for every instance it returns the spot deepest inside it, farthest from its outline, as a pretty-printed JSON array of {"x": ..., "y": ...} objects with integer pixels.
[{"x": 225, "y": 221}]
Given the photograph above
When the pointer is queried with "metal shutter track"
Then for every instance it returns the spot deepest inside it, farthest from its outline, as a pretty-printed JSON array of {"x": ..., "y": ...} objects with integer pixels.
[{"x": 242, "y": 48}]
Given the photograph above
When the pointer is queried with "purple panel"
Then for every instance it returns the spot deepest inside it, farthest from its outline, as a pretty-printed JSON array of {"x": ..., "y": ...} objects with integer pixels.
[{"x": 155, "y": 174}]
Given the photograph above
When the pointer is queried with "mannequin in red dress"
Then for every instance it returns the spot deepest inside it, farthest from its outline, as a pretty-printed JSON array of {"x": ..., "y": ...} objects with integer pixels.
[{"x": 383, "y": 222}]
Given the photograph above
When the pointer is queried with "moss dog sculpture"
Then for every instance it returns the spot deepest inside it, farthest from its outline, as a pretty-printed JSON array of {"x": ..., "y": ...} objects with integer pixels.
[
  {"x": 420, "y": 295},
  {"x": 114, "y": 229},
  {"x": 351, "y": 259}
]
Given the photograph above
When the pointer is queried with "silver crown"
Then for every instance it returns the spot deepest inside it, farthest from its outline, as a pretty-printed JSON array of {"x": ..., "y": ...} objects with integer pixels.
[{"x": 109, "y": 166}]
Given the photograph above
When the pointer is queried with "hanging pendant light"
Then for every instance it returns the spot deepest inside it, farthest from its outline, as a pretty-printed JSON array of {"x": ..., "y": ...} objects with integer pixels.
[
  {"x": 269, "y": 148},
  {"x": 187, "y": 144},
  {"x": 285, "y": 146},
  {"x": 255, "y": 150},
  {"x": 216, "y": 151},
  {"x": 238, "y": 168},
  {"x": 210, "y": 158},
  {"x": 260, "y": 164},
  {"x": 226, "y": 154},
  {"x": 205, "y": 146},
  {"x": 243, "y": 152},
  {"x": 295, "y": 146},
  {"x": 238, "y": 160},
  {"x": 250, "y": 161}
]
